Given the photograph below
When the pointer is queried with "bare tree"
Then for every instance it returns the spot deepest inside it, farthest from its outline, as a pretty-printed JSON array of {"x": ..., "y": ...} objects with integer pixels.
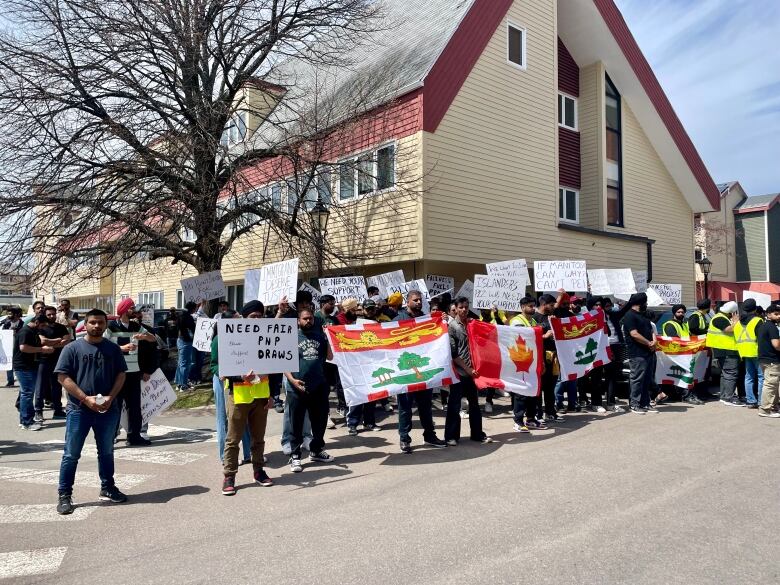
[{"x": 135, "y": 126}]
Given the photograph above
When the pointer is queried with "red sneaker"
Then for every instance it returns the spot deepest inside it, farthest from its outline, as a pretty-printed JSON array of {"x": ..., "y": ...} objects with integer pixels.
[
  {"x": 229, "y": 486},
  {"x": 262, "y": 478}
]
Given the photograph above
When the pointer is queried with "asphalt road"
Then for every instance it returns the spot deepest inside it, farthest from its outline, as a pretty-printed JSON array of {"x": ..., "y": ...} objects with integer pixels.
[{"x": 689, "y": 495}]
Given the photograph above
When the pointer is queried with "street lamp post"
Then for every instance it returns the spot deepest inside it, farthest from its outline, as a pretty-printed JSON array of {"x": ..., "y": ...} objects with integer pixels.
[
  {"x": 706, "y": 267},
  {"x": 320, "y": 215}
]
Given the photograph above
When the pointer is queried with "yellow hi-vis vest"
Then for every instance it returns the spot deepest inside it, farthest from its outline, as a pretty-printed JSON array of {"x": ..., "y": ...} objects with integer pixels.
[
  {"x": 747, "y": 344},
  {"x": 718, "y": 339},
  {"x": 246, "y": 393},
  {"x": 681, "y": 330},
  {"x": 522, "y": 321}
]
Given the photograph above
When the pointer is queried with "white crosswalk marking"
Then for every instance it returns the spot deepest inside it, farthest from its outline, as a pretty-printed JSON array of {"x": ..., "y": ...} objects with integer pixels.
[
  {"x": 24, "y": 513},
  {"x": 141, "y": 454},
  {"x": 83, "y": 478},
  {"x": 21, "y": 563}
]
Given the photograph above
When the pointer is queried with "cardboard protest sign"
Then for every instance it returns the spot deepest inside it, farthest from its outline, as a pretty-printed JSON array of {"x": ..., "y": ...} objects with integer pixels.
[
  {"x": 262, "y": 346},
  {"x": 553, "y": 275},
  {"x": 653, "y": 299},
  {"x": 277, "y": 280},
  {"x": 670, "y": 294},
  {"x": 640, "y": 280},
  {"x": 204, "y": 333},
  {"x": 517, "y": 269},
  {"x": 203, "y": 287},
  {"x": 762, "y": 300},
  {"x": 611, "y": 282},
  {"x": 405, "y": 287},
  {"x": 381, "y": 281},
  {"x": 156, "y": 396},
  {"x": 497, "y": 291},
  {"x": 344, "y": 287},
  {"x": 438, "y": 285},
  {"x": 315, "y": 294},
  {"x": 466, "y": 290},
  {"x": 6, "y": 350}
]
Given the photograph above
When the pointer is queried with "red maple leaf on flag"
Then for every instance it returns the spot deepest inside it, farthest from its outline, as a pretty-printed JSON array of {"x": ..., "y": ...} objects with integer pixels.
[{"x": 521, "y": 356}]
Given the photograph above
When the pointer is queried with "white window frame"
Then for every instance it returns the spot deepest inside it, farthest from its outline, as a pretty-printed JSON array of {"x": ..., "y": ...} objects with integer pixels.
[
  {"x": 513, "y": 25},
  {"x": 562, "y": 97},
  {"x": 335, "y": 193},
  {"x": 146, "y": 298},
  {"x": 562, "y": 210},
  {"x": 179, "y": 298}
]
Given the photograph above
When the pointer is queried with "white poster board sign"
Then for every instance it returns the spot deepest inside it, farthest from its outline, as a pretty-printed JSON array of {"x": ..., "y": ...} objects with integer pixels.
[
  {"x": 517, "y": 269},
  {"x": 204, "y": 333},
  {"x": 502, "y": 292},
  {"x": 6, "y": 350},
  {"x": 418, "y": 285},
  {"x": 670, "y": 294},
  {"x": 553, "y": 275},
  {"x": 611, "y": 281},
  {"x": 438, "y": 285},
  {"x": 640, "y": 280},
  {"x": 653, "y": 300},
  {"x": 762, "y": 300},
  {"x": 277, "y": 280},
  {"x": 203, "y": 287},
  {"x": 156, "y": 396},
  {"x": 315, "y": 294},
  {"x": 251, "y": 284},
  {"x": 262, "y": 346},
  {"x": 147, "y": 317},
  {"x": 466, "y": 290},
  {"x": 344, "y": 287},
  {"x": 382, "y": 281}
]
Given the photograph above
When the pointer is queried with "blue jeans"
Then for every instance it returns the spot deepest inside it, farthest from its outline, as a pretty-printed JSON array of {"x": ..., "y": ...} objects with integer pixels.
[
  {"x": 753, "y": 374},
  {"x": 185, "y": 361},
  {"x": 77, "y": 426},
  {"x": 27, "y": 380},
  {"x": 219, "y": 403},
  {"x": 568, "y": 386},
  {"x": 196, "y": 371}
]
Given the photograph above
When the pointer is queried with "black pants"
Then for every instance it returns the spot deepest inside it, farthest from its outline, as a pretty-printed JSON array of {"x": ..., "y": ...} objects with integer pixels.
[
  {"x": 524, "y": 406},
  {"x": 593, "y": 383},
  {"x": 334, "y": 381},
  {"x": 315, "y": 402},
  {"x": 548, "y": 392},
  {"x": 465, "y": 388},
  {"x": 275, "y": 385},
  {"x": 47, "y": 387},
  {"x": 130, "y": 395},
  {"x": 423, "y": 398}
]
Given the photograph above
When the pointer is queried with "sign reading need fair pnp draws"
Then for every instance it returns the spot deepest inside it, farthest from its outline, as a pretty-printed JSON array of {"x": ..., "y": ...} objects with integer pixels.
[
  {"x": 553, "y": 275},
  {"x": 385, "y": 359},
  {"x": 262, "y": 346},
  {"x": 581, "y": 343},
  {"x": 203, "y": 287}
]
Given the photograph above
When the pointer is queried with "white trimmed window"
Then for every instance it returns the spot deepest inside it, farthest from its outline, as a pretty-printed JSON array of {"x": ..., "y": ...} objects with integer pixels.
[
  {"x": 516, "y": 45},
  {"x": 567, "y": 111},
  {"x": 370, "y": 172},
  {"x": 179, "y": 299},
  {"x": 153, "y": 298},
  {"x": 568, "y": 205}
]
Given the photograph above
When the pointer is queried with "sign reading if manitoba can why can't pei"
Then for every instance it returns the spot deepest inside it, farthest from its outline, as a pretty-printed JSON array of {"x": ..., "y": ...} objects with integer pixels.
[{"x": 262, "y": 346}]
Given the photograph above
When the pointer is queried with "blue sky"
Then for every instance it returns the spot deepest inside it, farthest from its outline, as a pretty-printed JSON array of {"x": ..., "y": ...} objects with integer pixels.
[{"x": 719, "y": 63}]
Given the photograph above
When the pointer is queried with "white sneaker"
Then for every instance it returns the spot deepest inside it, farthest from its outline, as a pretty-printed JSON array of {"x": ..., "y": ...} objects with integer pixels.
[
  {"x": 488, "y": 408},
  {"x": 599, "y": 409},
  {"x": 463, "y": 414},
  {"x": 295, "y": 465},
  {"x": 617, "y": 408},
  {"x": 769, "y": 414},
  {"x": 388, "y": 407},
  {"x": 286, "y": 449}
]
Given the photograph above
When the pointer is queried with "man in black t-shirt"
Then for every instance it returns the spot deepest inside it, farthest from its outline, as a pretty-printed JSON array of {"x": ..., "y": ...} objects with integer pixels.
[
  {"x": 768, "y": 337},
  {"x": 545, "y": 308},
  {"x": 47, "y": 387},
  {"x": 640, "y": 346},
  {"x": 27, "y": 350}
]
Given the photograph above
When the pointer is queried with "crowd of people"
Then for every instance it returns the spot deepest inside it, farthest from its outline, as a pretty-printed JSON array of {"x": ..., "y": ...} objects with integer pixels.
[{"x": 103, "y": 367}]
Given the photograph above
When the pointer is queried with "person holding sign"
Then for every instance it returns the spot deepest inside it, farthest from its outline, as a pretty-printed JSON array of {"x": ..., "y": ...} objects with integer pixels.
[
  {"x": 92, "y": 371},
  {"x": 247, "y": 400},
  {"x": 309, "y": 391},
  {"x": 127, "y": 334}
]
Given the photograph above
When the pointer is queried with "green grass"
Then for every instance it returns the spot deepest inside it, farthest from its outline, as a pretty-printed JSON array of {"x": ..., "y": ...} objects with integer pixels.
[{"x": 200, "y": 396}]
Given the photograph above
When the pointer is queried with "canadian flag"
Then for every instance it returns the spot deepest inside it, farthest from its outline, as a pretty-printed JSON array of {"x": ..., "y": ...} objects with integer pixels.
[{"x": 508, "y": 358}]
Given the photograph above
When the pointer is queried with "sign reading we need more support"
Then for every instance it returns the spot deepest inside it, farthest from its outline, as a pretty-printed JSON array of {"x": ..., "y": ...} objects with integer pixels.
[
  {"x": 498, "y": 291},
  {"x": 553, "y": 275},
  {"x": 262, "y": 346},
  {"x": 203, "y": 287},
  {"x": 344, "y": 287}
]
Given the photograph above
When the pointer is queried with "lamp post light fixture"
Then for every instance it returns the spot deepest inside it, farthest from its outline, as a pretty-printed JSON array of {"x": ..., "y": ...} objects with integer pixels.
[
  {"x": 706, "y": 267},
  {"x": 320, "y": 214}
]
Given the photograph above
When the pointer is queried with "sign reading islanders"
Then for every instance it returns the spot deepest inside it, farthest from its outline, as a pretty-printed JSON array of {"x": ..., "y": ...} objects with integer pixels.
[{"x": 377, "y": 360}]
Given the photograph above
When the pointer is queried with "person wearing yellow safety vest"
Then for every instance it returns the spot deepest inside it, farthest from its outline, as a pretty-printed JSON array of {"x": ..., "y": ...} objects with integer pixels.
[
  {"x": 677, "y": 326},
  {"x": 248, "y": 399},
  {"x": 747, "y": 346},
  {"x": 525, "y": 406},
  {"x": 720, "y": 337},
  {"x": 698, "y": 321}
]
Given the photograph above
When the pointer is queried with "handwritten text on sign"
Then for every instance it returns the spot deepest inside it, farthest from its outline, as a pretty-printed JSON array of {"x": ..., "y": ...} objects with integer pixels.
[
  {"x": 278, "y": 280},
  {"x": 156, "y": 396},
  {"x": 204, "y": 333},
  {"x": 552, "y": 275},
  {"x": 438, "y": 285},
  {"x": 344, "y": 287},
  {"x": 315, "y": 294},
  {"x": 382, "y": 281},
  {"x": 671, "y": 294},
  {"x": 203, "y": 287},
  {"x": 497, "y": 291},
  {"x": 618, "y": 281},
  {"x": 517, "y": 269},
  {"x": 262, "y": 346}
]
